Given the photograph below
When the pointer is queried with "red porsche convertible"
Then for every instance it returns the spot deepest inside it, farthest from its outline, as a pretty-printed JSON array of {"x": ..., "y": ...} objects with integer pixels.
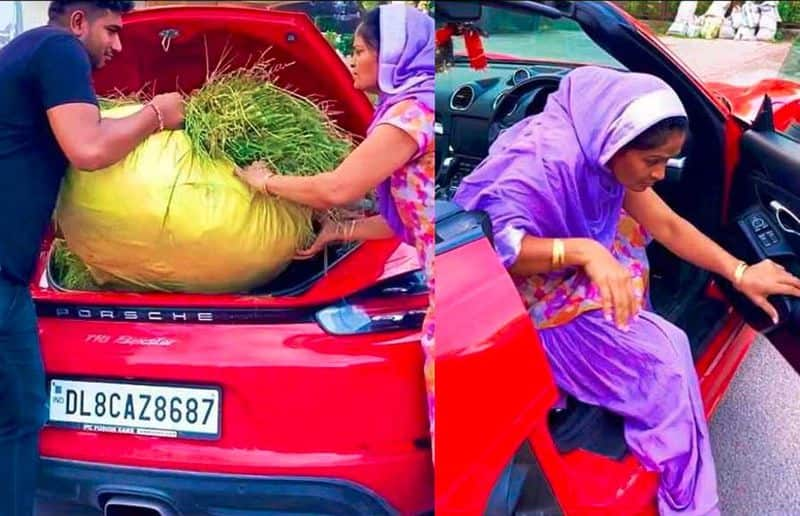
[{"x": 502, "y": 444}]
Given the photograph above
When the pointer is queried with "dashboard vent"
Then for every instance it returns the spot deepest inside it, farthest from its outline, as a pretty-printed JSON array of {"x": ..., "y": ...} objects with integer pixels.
[{"x": 462, "y": 98}]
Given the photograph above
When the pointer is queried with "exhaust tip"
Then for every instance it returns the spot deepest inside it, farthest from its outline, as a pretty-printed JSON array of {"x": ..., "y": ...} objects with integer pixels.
[{"x": 136, "y": 506}]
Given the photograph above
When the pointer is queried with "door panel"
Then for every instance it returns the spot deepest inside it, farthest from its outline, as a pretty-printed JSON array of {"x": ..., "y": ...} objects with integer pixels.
[
  {"x": 493, "y": 382},
  {"x": 765, "y": 195}
]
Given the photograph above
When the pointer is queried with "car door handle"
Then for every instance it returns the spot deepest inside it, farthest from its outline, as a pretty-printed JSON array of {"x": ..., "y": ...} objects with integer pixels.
[
  {"x": 674, "y": 172},
  {"x": 779, "y": 210}
]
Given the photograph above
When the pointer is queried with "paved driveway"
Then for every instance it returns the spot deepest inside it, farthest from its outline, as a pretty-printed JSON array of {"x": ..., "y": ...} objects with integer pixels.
[
  {"x": 731, "y": 61},
  {"x": 754, "y": 436}
]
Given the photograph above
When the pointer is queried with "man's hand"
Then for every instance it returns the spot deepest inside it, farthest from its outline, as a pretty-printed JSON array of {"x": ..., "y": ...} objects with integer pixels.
[
  {"x": 92, "y": 143},
  {"x": 172, "y": 108}
]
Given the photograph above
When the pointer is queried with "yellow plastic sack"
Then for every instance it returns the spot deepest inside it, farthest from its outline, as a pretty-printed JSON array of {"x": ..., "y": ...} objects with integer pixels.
[
  {"x": 163, "y": 219},
  {"x": 711, "y": 27}
]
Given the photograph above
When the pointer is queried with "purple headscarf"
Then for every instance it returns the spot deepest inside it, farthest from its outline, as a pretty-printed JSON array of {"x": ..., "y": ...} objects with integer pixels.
[
  {"x": 547, "y": 176},
  {"x": 405, "y": 71}
]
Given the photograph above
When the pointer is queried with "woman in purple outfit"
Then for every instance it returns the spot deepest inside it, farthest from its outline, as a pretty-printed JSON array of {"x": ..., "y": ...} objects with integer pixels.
[
  {"x": 557, "y": 187},
  {"x": 393, "y": 57}
]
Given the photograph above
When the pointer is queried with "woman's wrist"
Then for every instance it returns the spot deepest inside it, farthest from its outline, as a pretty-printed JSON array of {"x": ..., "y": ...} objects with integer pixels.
[
  {"x": 738, "y": 273},
  {"x": 558, "y": 254},
  {"x": 265, "y": 187},
  {"x": 159, "y": 117},
  {"x": 578, "y": 251},
  {"x": 345, "y": 230}
]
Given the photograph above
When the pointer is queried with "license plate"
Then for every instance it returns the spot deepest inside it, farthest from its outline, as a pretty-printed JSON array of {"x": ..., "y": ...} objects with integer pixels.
[{"x": 138, "y": 409}]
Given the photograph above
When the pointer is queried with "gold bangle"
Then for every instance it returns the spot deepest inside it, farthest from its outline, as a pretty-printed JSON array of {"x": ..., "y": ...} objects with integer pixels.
[
  {"x": 739, "y": 272},
  {"x": 558, "y": 253},
  {"x": 158, "y": 115},
  {"x": 343, "y": 232},
  {"x": 264, "y": 188}
]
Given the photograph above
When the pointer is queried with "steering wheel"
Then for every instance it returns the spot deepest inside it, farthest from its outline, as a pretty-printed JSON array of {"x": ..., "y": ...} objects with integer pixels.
[{"x": 523, "y": 100}]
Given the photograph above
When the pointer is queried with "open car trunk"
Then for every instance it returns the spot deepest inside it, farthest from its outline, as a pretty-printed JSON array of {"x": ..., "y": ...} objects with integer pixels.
[
  {"x": 297, "y": 278},
  {"x": 171, "y": 48}
]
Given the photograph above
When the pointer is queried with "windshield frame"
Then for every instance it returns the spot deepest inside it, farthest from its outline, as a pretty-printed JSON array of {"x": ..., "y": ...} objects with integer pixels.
[{"x": 602, "y": 57}]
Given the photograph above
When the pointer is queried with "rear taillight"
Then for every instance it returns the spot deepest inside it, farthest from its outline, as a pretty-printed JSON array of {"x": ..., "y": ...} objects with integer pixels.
[
  {"x": 395, "y": 304},
  {"x": 347, "y": 319}
]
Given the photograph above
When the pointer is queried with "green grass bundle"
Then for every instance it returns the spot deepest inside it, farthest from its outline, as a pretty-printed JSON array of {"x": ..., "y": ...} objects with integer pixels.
[
  {"x": 68, "y": 270},
  {"x": 244, "y": 116}
]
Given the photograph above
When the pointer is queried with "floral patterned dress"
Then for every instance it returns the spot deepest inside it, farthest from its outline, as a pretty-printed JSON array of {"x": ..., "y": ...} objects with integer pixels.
[
  {"x": 557, "y": 298},
  {"x": 412, "y": 188}
]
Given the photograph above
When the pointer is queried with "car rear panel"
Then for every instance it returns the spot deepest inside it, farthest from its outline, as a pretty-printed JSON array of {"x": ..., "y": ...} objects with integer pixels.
[{"x": 295, "y": 400}]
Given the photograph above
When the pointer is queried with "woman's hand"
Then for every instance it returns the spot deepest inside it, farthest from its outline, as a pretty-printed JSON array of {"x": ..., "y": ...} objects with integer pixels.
[
  {"x": 330, "y": 233},
  {"x": 768, "y": 278},
  {"x": 256, "y": 175},
  {"x": 615, "y": 283}
]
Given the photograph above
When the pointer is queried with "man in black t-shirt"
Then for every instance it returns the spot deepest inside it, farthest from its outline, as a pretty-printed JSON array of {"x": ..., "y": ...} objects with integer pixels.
[{"x": 49, "y": 117}]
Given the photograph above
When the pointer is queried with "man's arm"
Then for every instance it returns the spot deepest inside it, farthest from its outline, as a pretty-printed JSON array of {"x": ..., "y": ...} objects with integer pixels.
[
  {"x": 62, "y": 75},
  {"x": 92, "y": 143}
]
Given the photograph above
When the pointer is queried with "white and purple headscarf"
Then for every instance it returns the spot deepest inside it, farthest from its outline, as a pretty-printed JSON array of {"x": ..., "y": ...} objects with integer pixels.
[
  {"x": 547, "y": 176},
  {"x": 406, "y": 71}
]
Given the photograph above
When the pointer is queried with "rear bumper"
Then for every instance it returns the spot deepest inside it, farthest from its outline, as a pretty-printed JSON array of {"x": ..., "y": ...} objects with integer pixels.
[{"x": 187, "y": 493}]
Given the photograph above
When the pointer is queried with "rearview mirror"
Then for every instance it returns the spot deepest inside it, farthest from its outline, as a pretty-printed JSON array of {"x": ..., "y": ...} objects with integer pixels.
[{"x": 458, "y": 11}]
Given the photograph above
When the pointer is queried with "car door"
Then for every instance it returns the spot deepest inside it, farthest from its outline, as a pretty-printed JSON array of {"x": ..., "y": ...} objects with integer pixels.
[
  {"x": 765, "y": 223},
  {"x": 494, "y": 387}
]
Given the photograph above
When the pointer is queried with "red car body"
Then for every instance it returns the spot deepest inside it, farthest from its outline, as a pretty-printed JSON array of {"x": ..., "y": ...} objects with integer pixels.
[
  {"x": 494, "y": 387},
  {"x": 746, "y": 100},
  {"x": 310, "y": 420}
]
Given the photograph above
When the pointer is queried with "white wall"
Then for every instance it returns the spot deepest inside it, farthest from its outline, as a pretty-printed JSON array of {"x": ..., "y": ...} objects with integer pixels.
[{"x": 34, "y": 12}]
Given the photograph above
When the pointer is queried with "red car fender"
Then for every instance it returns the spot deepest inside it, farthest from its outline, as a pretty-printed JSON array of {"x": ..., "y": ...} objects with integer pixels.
[{"x": 745, "y": 101}]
